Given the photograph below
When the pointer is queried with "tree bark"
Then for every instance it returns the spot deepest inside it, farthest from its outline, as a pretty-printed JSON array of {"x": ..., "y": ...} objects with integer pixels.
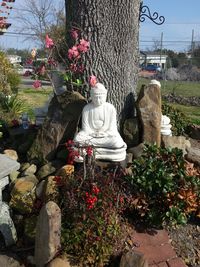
[{"x": 111, "y": 27}]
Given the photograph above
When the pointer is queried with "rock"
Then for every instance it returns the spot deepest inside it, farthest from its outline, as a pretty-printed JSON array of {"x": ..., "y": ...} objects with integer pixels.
[
  {"x": 149, "y": 113},
  {"x": 13, "y": 175},
  {"x": 31, "y": 177},
  {"x": 133, "y": 259},
  {"x": 48, "y": 169},
  {"x": 50, "y": 189},
  {"x": 66, "y": 170},
  {"x": 136, "y": 151},
  {"x": 176, "y": 141},
  {"x": 48, "y": 231},
  {"x": 193, "y": 155},
  {"x": 60, "y": 125},
  {"x": 10, "y": 261},
  {"x": 194, "y": 131},
  {"x": 131, "y": 133},
  {"x": 23, "y": 196},
  {"x": 7, "y": 227},
  {"x": 129, "y": 158},
  {"x": 24, "y": 166},
  {"x": 40, "y": 189},
  {"x": 58, "y": 262},
  {"x": 30, "y": 169},
  {"x": 11, "y": 154},
  {"x": 7, "y": 166}
]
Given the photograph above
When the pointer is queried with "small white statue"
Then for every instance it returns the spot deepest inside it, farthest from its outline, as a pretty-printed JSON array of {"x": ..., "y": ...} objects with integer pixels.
[
  {"x": 99, "y": 127},
  {"x": 166, "y": 126},
  {"x": 156, "y": 82}
]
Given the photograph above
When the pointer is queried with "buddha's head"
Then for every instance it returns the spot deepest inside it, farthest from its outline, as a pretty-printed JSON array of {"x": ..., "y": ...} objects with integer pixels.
[{"x": 98, "y": 94}]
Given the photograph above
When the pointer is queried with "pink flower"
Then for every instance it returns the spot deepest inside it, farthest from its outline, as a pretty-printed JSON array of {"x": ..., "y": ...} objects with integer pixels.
[
  {"x": 81, "y": 68},
  {"x": 29, "y": 61},
  {"x": 74, "y": 34},
  {"x": 37, "y": 84},
  {"x": 73, "y": 52},
  {"x": 49, "y": 42},
  {"x": 42, "y": 70},
  {"x": 52, "y": 62},
  {"x": 92, "y": 80},
  {"x": 83, "y": 46},
  {"x": 73, "y": 67}
]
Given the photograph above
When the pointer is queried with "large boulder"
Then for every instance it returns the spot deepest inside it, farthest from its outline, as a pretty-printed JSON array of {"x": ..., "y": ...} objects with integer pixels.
[
  {"x": 59, "y": 125},
  {"x": 180, "y": 142},
  {"x": 193, "y": 155},
  {"x": 149, "y": 113},
  {"x": 131, "y": 132},
  {"x": 48, "y": 231},
  {"x": 10, "y": 260},
  {"x": 23, "y": 195}
]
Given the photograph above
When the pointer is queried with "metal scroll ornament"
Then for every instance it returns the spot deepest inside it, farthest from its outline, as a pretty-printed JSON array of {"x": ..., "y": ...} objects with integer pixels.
[{"x": 145, "y": 13}]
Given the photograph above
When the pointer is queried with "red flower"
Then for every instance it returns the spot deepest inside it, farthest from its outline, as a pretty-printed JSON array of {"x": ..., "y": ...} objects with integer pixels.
[
  {"x": 90, "y": 200},
  {"x": 89, "y": 151},
  {"x": 58, "y": 180},
  {"x": 95, "y": 190},
  {"x": 15, "y": 122}
]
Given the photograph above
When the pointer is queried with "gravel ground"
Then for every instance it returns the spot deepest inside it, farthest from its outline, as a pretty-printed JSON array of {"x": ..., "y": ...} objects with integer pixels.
[
  {"x": 186, "y": 242},
  {"x": 186, "y": 239}
]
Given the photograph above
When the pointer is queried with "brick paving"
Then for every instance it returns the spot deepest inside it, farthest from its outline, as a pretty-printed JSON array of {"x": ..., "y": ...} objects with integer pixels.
[{"x": 157, "y": 249}]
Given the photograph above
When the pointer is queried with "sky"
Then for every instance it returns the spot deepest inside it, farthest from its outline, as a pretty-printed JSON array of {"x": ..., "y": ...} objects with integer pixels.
[{"x": 182, "y": 17}]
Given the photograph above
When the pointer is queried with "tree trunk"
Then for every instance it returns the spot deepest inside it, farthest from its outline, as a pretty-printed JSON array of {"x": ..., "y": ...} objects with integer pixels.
[{"x": 111, "y": 27}]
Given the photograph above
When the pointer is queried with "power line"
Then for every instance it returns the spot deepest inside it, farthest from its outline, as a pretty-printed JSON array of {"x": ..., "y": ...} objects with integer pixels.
[{"x": 20, "y": 33}]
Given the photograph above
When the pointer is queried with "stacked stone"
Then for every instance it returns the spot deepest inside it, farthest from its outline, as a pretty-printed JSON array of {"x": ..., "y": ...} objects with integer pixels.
[{"x": 165, "y": 126}]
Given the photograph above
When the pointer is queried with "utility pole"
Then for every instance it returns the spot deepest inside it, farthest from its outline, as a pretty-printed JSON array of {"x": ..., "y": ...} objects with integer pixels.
[
  {"x": 161, "y": 47},
  {"x": 192, "y": 46}
]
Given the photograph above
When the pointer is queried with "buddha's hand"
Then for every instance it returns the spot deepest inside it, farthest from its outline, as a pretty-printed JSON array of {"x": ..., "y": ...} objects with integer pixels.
[{"x": 99, "y": 134}]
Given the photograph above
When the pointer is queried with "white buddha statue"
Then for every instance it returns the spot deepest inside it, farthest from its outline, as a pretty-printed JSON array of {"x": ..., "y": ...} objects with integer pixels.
[{"x": 99, "y": 127}]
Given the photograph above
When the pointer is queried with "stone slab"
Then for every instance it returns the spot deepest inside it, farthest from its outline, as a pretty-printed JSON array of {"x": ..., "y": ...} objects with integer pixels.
[
  {"x": 157, "y": 254},
  {"x": 7, "y": 165},
  {"x": 155, "y": 238},
  {"x": 177, "y": 262},
  {"x": 7, "y": 227}
]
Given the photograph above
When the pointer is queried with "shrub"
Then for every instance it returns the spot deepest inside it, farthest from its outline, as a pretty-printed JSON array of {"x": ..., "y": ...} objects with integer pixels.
[
  {"x": 91, "y": 209},
  {"x": 164, "y": 191},
  {"x": 178, "y": 120},
  {"x": 9, "y": 79},
  {"x": 14, "y": 80},
  {"x": 12, "y": 107}
]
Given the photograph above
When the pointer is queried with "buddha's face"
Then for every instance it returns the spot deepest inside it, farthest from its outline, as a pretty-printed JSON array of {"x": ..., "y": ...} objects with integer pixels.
[{"x": 98, "y": 98}]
